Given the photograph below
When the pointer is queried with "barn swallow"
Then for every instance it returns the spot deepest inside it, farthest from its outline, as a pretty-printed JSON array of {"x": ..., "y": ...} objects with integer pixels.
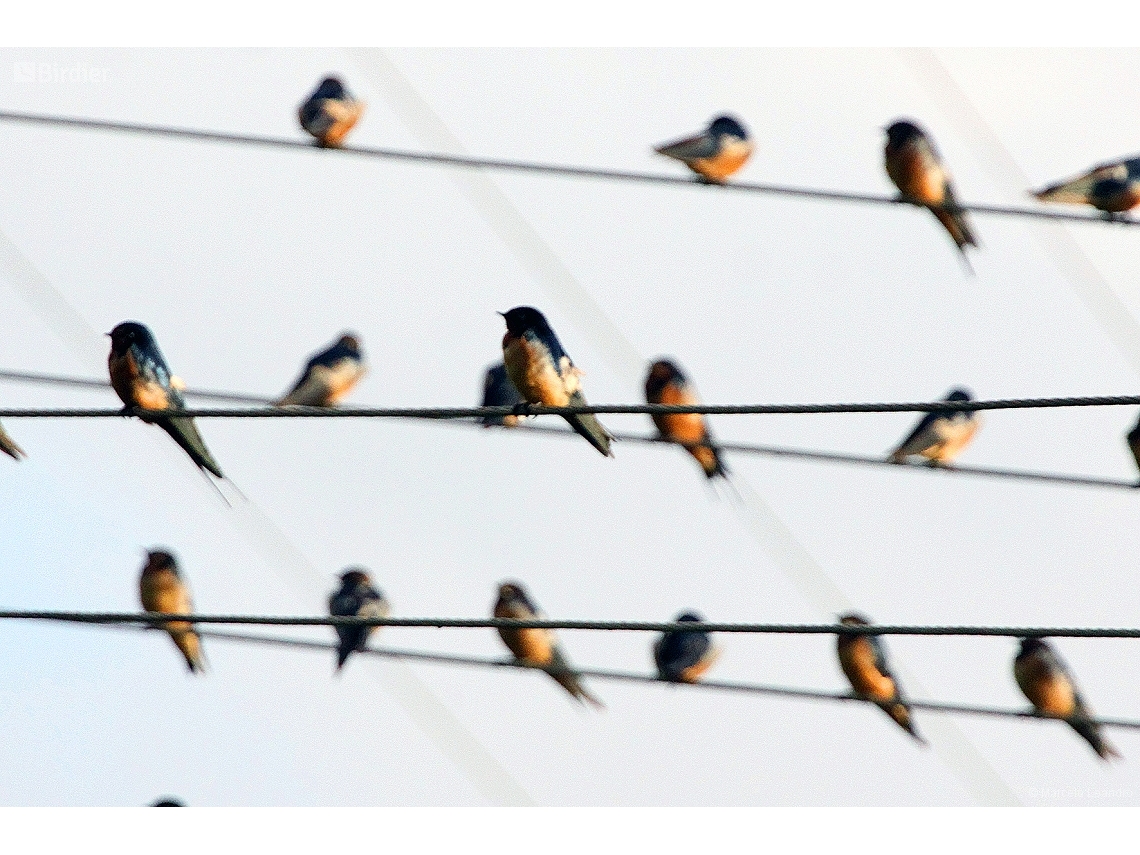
[
  {"x": 715, "y": 153},
  {"x": 543, "y": 373},
  {"x": 356, "y": 598},
  {"x": 328, "y": 375},
  {"x": 682, "y": 656},
  {"x": 666, "y": 384},
  {"x": 9, "y": 447},
  {"x": 863, "y": 659},
  {"x": 330, "y": 112},
  {"x": 537, "y": 647},
  {"x": 915, "y": 167},
  {"x": 1134, "y": 445},
  {"x": 499, "y": 391},
  {"x": 940, "y": 435},
  {"x": 1111, "y": 187},
  {"x": 1046, "y": 682},
  {"x": 162, "y": 589},
  {"x": 142, "y": 379}
]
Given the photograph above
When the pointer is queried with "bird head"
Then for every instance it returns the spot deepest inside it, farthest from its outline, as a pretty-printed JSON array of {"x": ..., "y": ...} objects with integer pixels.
[
  {"x": 902, "y": 132},
  {"x": 523, "y": 318},
  {"x": 727, "y": 126},
  {"x": 330, "y": 87},
  {"x": 129, "y": 333}
]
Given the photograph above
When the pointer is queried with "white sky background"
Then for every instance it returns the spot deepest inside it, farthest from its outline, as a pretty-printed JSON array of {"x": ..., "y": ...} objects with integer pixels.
[{"x": 244, "y": 261}]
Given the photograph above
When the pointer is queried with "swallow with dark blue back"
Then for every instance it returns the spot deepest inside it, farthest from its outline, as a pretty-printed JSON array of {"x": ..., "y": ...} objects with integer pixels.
[
  {"x": 682, "y": 656},
  {"x": 330, "y": 113},
  {"x": 543, "y": 373},
  {"x": 714, "y": 154},
  {"x": 357, "y": 597},
  {"x": 329, "y": 375},
  {"x": 143, "y": 381}
]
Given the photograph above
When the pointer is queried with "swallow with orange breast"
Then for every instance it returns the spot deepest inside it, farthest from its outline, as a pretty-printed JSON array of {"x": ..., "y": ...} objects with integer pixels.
[
  {"x": 863, "y": 659},
  {"x": 162, "y": 589},
  {"x": 715, "y": 153},
  {"x": 537, "y": 647},
  {"x": 330, "y": 112},
  {"x": 1111, "y": 187},
  {"x": 940, "y": 435},
  {"x": 499, "y": 391},
  {"x": 666, "y": 384},
  {"x": 543, "y": 373},
  {"x": 915, "y": 167},
  {"x": 328, "y": 375},
  {"x": 143, "y": 380},
  {"x": 1046, "y": 682},
  {"x": 682, "y": 656},
  {"x": 357, "y": 597},
  {"x": 9, "y": 447}
]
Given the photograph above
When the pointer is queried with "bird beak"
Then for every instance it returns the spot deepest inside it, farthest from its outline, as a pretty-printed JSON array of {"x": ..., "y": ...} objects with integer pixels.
[{"x": 501, "y": 314}]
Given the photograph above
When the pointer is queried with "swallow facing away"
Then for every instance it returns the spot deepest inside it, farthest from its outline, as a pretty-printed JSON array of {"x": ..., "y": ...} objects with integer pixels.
[
  {"x": 9, "y": 447},
  {"x": 356, "y": 598},
  {"x": 666, "y": 384},
  {"x": 328, "y": 375},
  {"x": 537, "y": 646},
  {"x": 1111, "y": 187},
  {"x": 162, "y": 589},
  {"x": 142, "y": 379},
  {"x": 715, "y": 153},
  {"x": 1046, "y": 682},
  {"x": 543, "y": 373},
  {"x": 863, "y": 659},
  {"x": 330, "y": 112},
  {"x": 682, "y": 656},
  {"x": 915, "y": 167},
  {"x": 1134, "y": 445},
  {"x": 940, "y": 435},
  {"x": 499, "y": 391}
]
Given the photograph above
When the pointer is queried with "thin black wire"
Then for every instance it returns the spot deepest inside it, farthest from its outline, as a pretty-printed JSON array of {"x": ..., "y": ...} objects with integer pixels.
[
  {"x": 541, "y": 168},
  {"x": 630, "y": 677},
  {"x": 735, "y": 448},
  {"x": 154, "y": 618},
  {"x": 295, "y": 412}
]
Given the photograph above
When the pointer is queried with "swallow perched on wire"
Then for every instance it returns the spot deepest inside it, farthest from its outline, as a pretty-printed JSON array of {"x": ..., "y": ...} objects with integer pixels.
[
  {"x": 1046, "y": 682},
  {"x": 143, "y": 380},
  {"x": 863, "y": 659},
  {"x": 537, "y": 647},
  {"x": 682, "y": 656},
  {"x": 9, "y": 447},
  {"x": 940, "y": 435},
  {"x": 330, "y": 112},
  {"x": 543, "y": 373},
  {"x": 328, "y": 375},
  {"x": 499, "y": 391},
  {"x": 357, "y": 597},
  {"x": 162, "y": 589},
  {"x": 915, "y": 167},
  {"x": 1111, "y": 187},
  {"x": 666, "y": 384},
  {"x": 715, "y": 153}
]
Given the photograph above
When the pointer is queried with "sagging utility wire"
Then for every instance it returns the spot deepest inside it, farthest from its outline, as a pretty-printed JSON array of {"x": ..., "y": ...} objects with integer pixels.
[{"x": 544, "y": 168}]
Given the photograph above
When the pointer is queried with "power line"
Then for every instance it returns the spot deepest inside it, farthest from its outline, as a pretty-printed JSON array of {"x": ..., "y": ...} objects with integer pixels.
[
  {"x": 735, "y": 448},
  {"x": 633, "y": 677},
  {"x": 295, "y": 412},
  {"x": 541, "y": 168},
  {"x": 154, "y": 618}
]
